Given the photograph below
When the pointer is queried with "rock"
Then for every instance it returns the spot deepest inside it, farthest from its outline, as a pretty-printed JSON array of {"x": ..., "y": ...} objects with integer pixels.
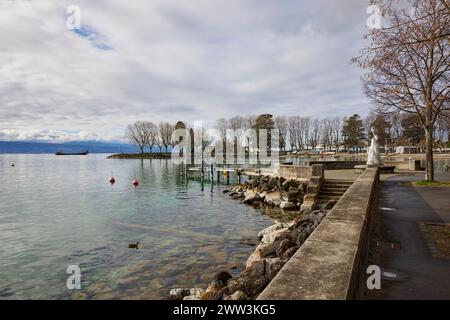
[
  {"x": 269, "y": 229},
  {"x": 273, "y": 198},
  {"x": 289, "y": 253},
  {"x": 286, "y": 185},
  {"x": 193, "y": 297},
  {"x": 180, "y": 293},
  {"x": 264, "y": 186},
  {"x": 303, "y": 235},
  {"x": 222, "y": 278},
  {"x": 238, "y": 295},
  {"x": 284, "y": 245},
  {"x": 262, "y": 195},
  {"x": 250, "y": 282},
  {"x": 293, "y": 195},
  {"x": 219, "y": 282},
  {"x": 237, "y": 196},
  {"x": 273, "y": 265},
  {"x": 253, "y": 258},
  {"x": 287, "y": 205},
  {"x": 250, "y": 196},
  {"x": 279, "y": 234},
  {"x": 273, "y": 183},
  {"x": 211, "y": 295}
]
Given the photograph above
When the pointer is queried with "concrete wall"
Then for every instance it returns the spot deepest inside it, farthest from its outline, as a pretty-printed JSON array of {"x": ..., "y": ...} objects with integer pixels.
[
  {"x": 328, "y": 264},
  {"x": 300, "y": 172},
  {"x": 404, "y": 165},
  {"x": 338, "y": 165}
]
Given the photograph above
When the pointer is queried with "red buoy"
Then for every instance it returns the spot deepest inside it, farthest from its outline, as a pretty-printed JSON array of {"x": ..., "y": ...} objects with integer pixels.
[
  {"x": 135, "y": 182},
  {"x": 112, "y": 180}
]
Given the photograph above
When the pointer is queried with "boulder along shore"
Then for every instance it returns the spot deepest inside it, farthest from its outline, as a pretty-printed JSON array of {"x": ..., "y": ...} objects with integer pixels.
[{"x": 277, "y": 243}]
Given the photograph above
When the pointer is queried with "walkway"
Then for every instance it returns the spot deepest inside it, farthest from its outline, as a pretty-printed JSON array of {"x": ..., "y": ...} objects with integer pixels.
[{"x": 402, "y": 249}]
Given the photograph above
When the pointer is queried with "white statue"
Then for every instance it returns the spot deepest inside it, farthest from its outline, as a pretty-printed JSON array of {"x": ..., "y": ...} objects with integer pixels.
[{"x": 373, "y": 154}]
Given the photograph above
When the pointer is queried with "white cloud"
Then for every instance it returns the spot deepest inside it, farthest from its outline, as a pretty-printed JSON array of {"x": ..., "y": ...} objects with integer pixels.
[{"x": 174, "y": 60}]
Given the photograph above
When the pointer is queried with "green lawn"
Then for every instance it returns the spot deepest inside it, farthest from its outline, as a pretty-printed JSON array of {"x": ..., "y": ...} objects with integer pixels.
[{"x": 426, "y": 183}]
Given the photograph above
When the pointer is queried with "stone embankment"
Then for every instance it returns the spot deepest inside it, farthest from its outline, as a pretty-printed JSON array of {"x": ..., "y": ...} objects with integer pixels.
[
  {"x": 273, "y": 191},
  {"x": 278, "y": 242},
  {"x": 277, "y": 245},
  {"x": 287, "y": 194}
]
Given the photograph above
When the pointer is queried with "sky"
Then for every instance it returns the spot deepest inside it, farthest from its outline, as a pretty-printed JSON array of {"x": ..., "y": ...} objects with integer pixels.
[{"x": 170, "y": 60}]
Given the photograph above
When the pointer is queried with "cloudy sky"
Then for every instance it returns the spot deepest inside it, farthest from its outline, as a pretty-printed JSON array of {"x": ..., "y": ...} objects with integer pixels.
[{"x": 174, "y": 60}]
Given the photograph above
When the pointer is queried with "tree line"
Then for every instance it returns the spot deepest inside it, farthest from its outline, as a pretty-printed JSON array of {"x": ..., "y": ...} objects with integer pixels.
[{"x": 298, "y": 133}]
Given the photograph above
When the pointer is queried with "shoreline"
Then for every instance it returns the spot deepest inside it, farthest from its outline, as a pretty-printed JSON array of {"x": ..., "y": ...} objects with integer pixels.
[{"x": 162, "y": 155}]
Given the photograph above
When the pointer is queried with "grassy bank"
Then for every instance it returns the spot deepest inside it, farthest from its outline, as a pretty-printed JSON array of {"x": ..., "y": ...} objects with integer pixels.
[{"x": 425, "y": 183}]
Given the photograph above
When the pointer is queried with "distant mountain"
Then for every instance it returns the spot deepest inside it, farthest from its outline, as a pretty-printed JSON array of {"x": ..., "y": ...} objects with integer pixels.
[{"x": 72, "y": 146}]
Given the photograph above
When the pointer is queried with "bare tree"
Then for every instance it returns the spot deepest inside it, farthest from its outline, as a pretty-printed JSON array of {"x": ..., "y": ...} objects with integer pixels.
[
  {"x": 222, "y": 126},
  {"x": 316, "y": 128},
  {"x": 282, "y": 127},
  {"x": 396, "y": 128},
  {"x": 152, "y": 134},
  {"x": 137, "y": 134},
  {"x": 442, "y": 130},
  {"x": 327, "y": 133},
  {"x": 165, "y": 134},
  {"x": 292, "y": 123},
  {"x": 249, "y": 122},
  {"x": 336, "y": 129},
  {"x": 409, "y": 63}
]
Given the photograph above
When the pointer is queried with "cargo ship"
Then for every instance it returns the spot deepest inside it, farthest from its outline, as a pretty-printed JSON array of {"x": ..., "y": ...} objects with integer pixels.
[{"x": 61, "y": 153}]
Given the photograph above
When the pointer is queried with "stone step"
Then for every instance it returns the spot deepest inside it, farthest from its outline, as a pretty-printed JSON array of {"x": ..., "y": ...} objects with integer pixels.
[
  {"x": 339, "y": 181},
  {"x": 339, "y": 191},
  {"x": 325, "y": 187},
  {"x": 332, "y": 192},
  {"x": 327, "y": 197},
  {"x": 336, "y": 184}
]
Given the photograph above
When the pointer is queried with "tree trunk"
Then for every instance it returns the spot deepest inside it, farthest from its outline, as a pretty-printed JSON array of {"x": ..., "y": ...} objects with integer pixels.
[
  {"x": 142, "y": 149},
  {"x": 429, "y": 166}
]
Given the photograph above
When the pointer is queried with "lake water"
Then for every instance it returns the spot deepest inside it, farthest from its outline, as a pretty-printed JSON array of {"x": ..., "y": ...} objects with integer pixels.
[{"x": 61, "y": 211}]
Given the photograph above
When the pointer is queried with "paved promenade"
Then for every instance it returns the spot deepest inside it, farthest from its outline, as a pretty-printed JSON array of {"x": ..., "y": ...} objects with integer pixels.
[{"x": 403, "y": 250}]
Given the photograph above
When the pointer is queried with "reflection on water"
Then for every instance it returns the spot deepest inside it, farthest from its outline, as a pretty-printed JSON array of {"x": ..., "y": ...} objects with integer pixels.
[{"x": 59, "y": 211}]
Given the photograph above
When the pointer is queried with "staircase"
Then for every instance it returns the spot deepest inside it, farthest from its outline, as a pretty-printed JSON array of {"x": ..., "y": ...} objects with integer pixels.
[{"x": 332, "y": 190}]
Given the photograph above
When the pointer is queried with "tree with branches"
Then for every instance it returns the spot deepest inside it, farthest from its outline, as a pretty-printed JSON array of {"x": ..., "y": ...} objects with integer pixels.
[
  {"x": 137, "y": 134},
  {"x": 408, "y": 63}
]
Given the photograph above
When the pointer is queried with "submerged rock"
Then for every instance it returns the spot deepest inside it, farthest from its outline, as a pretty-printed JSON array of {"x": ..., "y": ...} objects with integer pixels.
[
  {"x": 238, "y": 295},
  {"x": 287, "y": 205},
  {"x": 180, "y": 293}
]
